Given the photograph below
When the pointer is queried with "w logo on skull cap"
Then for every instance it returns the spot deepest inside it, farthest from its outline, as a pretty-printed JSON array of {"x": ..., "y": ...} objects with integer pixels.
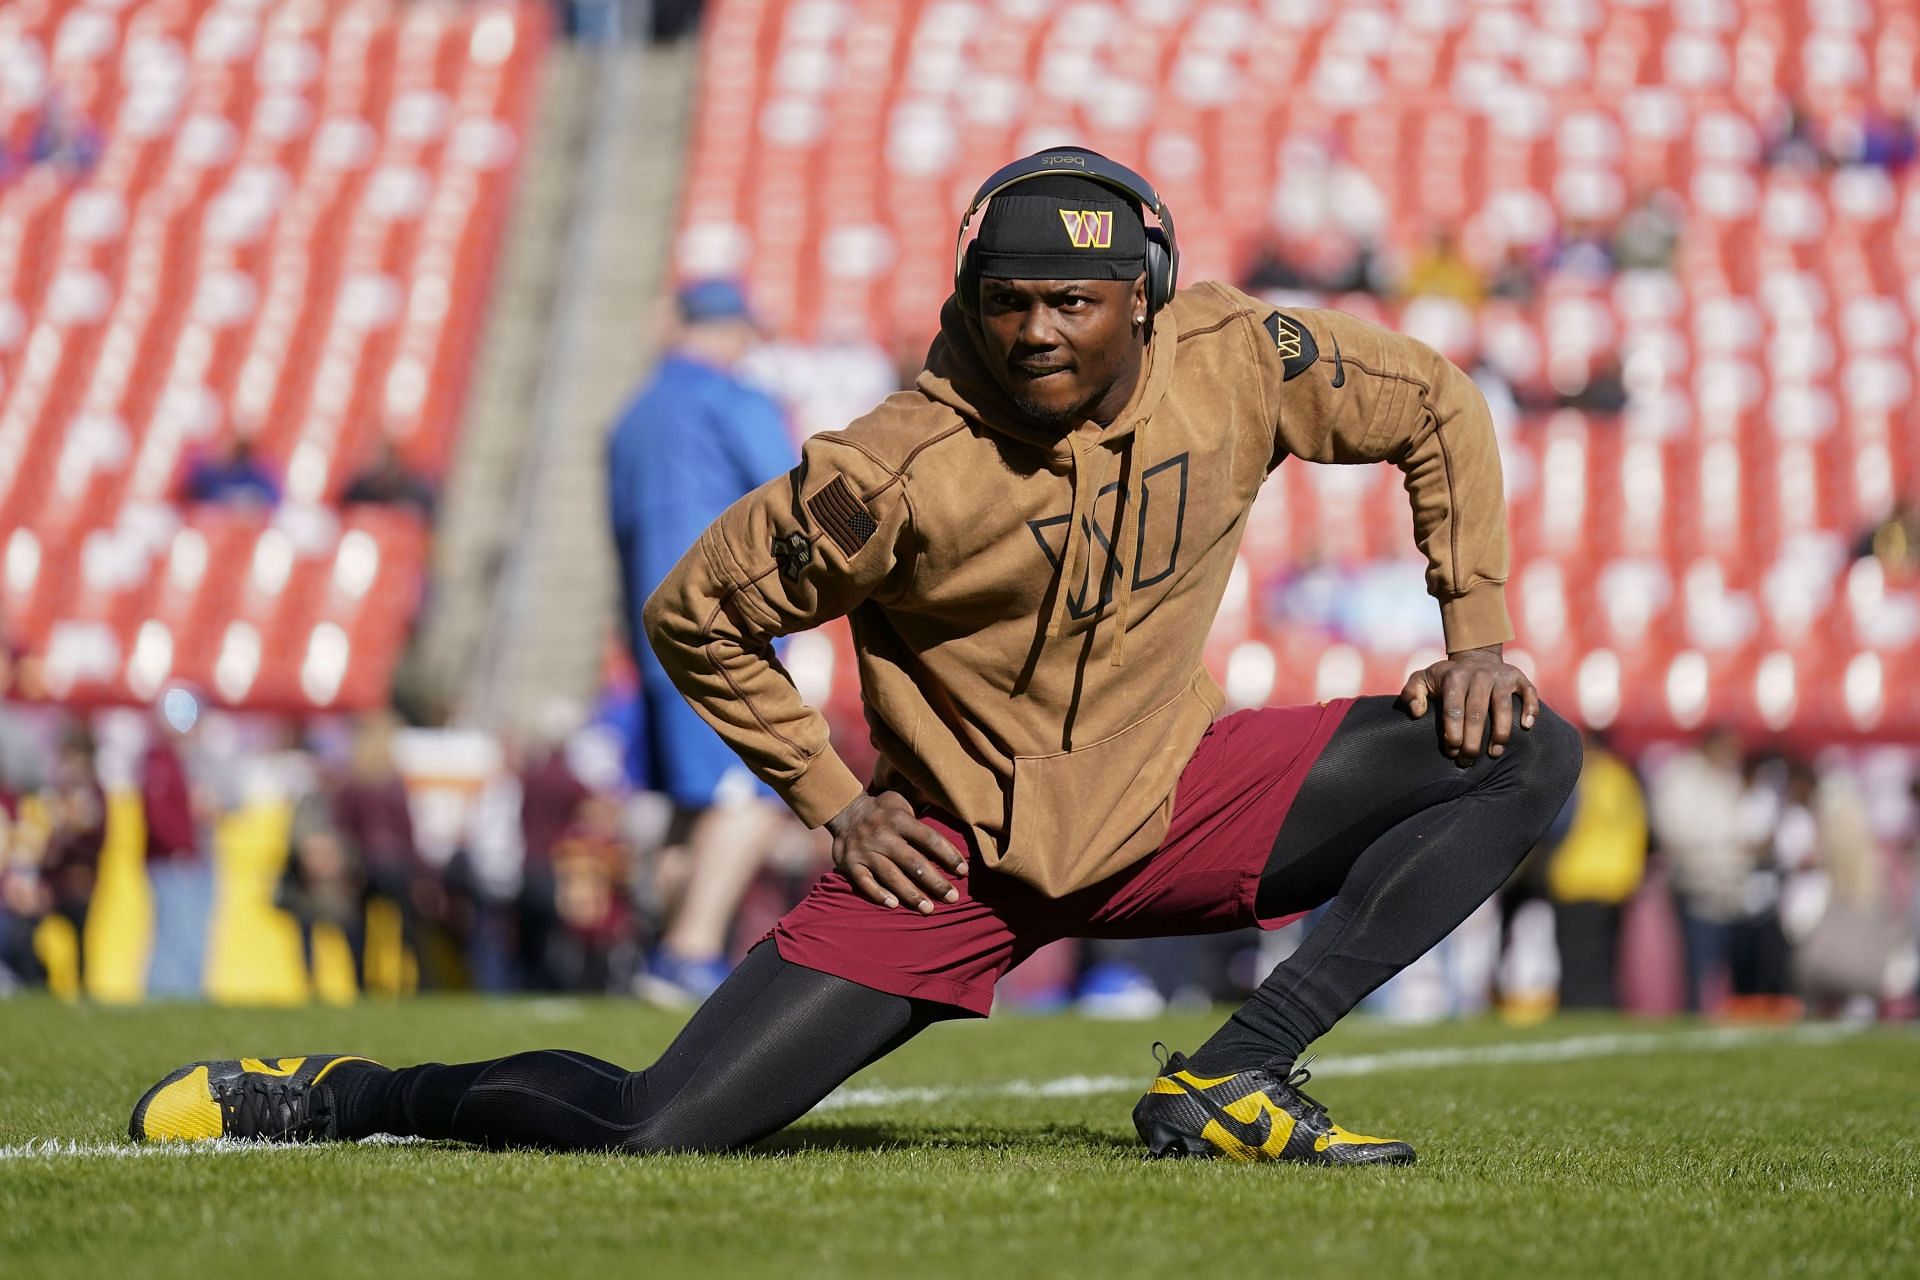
[{"x": 1089, "y": 228}]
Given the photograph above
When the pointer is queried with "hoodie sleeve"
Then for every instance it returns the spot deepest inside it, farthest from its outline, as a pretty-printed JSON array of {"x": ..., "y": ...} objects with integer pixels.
[
  {"x": 1339, "y": 389},
  {"x": 802, "y": 548}
]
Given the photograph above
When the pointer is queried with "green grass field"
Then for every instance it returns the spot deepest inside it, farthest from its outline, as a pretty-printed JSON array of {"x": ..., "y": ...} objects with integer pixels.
[{"x": 1588, "y": 1147}]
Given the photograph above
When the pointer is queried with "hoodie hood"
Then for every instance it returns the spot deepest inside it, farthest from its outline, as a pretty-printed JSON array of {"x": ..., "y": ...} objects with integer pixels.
[{"x": 957, "y": 375}]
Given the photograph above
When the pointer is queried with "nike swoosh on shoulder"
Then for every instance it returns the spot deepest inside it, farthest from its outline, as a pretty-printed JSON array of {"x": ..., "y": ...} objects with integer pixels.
[
  {"x": 1339, "y": 367},
  {"x": 1253, "y": 1135}
]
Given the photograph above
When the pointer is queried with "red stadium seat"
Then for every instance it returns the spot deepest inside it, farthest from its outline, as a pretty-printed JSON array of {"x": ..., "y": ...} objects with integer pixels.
[{"x": 288, "y": 233}]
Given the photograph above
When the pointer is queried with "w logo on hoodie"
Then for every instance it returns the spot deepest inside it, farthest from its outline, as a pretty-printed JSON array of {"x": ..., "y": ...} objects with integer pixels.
[
  {"x": 1155, "y": 553},
  {"x": 1089, "y": 228}
]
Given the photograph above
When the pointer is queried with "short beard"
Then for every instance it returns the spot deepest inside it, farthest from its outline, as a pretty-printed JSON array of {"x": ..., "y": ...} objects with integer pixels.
[{"x": 1047, "y": 417}]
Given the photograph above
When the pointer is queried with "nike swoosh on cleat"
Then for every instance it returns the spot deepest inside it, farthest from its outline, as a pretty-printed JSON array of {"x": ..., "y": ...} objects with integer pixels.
[
  {"x": 1252, "y": 1135},
  {"x": 1339, "y": 368}
]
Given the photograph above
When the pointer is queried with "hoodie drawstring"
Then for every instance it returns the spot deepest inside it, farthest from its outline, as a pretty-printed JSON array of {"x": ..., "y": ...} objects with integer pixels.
[
  {"x": 1125, "y": 542},
  {"x": 1080, "y": 514}
]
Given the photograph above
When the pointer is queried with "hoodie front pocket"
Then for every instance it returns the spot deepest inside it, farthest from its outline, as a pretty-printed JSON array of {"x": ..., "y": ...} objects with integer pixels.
[{"x": 1083, "y": 814}]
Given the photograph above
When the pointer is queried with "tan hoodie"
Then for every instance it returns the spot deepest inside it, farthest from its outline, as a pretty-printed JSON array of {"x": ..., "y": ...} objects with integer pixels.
[{"x": 1052, "y": 716}]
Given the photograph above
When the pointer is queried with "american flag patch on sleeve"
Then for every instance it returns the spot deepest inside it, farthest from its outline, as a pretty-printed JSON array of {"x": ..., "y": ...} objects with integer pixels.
[{"x": 841, "y": 515}]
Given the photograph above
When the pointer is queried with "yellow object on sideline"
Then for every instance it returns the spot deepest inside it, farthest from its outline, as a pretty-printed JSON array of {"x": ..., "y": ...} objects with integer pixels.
[
  {"x": 1604, "y": 854},
  {"x": 253, "y": 948}
]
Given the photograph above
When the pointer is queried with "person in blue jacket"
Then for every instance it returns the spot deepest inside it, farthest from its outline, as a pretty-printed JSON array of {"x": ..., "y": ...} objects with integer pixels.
[{"x": 691, "y": 442}]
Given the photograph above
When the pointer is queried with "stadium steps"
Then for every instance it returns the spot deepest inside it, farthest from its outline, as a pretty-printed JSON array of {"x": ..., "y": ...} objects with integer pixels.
[
  {"x": 482, "y": 486},
  {"x": 556, "y": 604}
]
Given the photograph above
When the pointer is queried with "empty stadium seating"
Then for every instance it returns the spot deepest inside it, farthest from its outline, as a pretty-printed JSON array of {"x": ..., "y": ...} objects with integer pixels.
[
  {"x": 229, "y": 217},
  {"x": 1687, "y": 562}
]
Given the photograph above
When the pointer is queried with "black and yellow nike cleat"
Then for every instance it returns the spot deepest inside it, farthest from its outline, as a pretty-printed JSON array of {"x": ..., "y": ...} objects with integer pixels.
[
  {"x": 1250, "y": 1116},
  {"x": 271, "y": 1099}
]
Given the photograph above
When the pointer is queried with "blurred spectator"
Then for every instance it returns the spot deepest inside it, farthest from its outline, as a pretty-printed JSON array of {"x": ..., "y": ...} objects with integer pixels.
[
  {"x": 492, "y": 862},
  {"x": 1583, "y": 251},
  {"x": 591, "y": 871},
  {"x": 49, "y": 860},
  {"x": 1695, "y": 812},
  {"x": 19, "y": 966},
  {"x": 21, "y": 752},
  {"x": 1790, "y": 140},
  {"x": 371, "y": 815},
  {"x": 1355, "y": 266},
  {"x": 63, "y": 140},
  {"x": 323, "y": 883},
  {"x": 1308, "y": 590},
  {"x": 1855, "y": 944},
  {"x": 1881, "y": 139},
  {"x": 1777, "y": 830},
  {"x": 1596, "y": 386},
  {"x": 235, "y": 477},
  {"x": 20, "y": 898},
  {"x": 1592, "y": 872},
  {"x": 26, "y": 734},
  {"x": 693, "y": 441},
  {"x": 389, "y": 482},
  {"x": 1649, "y": 233},
  {"x": 550, "y": 797},
  {"x": 1115, "y": 984},
  {"x": 1895, "y": 541},
  {"x": 1273, "y": 271},
  {"x": 672, "y": 19},
  {"x": 1515, "y": 279},
  {"x": 1333, "y": 264},
  {"x": 1910, "y": 846},
  {"x": 1363, "y": 603},
  {"x": 179, "y": 817},
  {"x": 1442, "y": 271},
  {"x": 77, "y": 829}
]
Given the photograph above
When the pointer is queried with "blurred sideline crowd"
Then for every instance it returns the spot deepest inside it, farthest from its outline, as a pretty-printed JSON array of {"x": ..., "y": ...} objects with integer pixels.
[{"x": 1699, "y": 876}]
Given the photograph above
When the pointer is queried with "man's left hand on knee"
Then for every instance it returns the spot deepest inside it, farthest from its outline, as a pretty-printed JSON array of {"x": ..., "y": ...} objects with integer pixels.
[{"x": 1472, "y": 688}]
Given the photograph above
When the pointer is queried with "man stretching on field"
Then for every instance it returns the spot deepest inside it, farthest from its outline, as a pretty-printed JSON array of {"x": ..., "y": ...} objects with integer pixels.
[{"x": 1031, "y": 545}]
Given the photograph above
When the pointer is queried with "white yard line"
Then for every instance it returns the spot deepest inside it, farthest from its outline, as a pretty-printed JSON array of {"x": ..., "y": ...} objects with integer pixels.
[
  {"x": 58, "y": 1149},
  {"x": 1570, "y": 1049}
]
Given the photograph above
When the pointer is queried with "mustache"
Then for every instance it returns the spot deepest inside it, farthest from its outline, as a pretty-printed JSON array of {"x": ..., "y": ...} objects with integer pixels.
[{"x": 1038, "y": 361}]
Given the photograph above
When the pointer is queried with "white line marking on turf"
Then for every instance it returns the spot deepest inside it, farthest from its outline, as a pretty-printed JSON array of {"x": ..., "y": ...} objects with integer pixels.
[
  {"x": 1570, "y": 1049},
  {"x": 55, "y": 1148},
  {"x": 556, "y": 1009}
]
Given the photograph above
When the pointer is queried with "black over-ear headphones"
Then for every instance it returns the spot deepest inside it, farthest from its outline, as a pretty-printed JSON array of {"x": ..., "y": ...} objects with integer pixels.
[{"x": 1163, "y": 250}]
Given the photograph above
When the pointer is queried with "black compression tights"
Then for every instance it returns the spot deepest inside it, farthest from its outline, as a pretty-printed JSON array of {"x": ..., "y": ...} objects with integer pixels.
[
  {"x": 1405, "y": 844},
  {"x": 770, "y": 1043},
  {"x": 1402, "y": 841}
]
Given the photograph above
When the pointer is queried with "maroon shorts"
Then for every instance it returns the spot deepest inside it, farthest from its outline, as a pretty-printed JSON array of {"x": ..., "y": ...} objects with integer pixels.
[{"x": 1227, "y": 810}]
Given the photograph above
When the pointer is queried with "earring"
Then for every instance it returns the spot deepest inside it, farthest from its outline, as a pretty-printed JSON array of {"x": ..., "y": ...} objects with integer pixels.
[{"x": 1139, "y": 319}]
